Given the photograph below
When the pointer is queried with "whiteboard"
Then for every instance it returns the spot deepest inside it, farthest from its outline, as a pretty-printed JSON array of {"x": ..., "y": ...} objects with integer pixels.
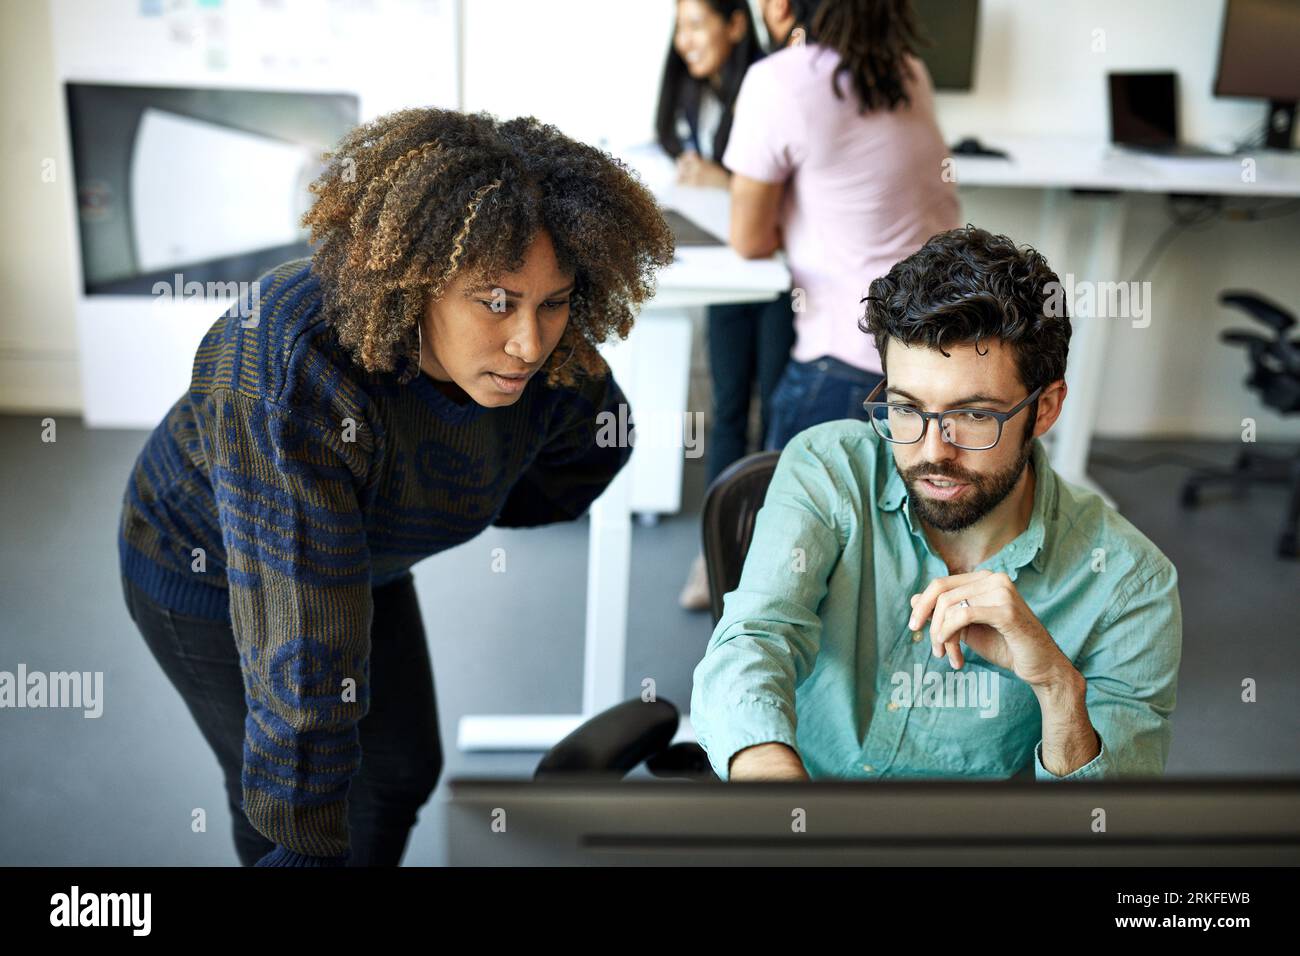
[{"x": 136, "y": 353}]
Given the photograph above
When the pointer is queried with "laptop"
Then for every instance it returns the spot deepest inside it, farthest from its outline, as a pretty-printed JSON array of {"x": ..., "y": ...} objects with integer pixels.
[
  {"x": 1144, "y": 114},
  {"x": 687, "y": 232}
]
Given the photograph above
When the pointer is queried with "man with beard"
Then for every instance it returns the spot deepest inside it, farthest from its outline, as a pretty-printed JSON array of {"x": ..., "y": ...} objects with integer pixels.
[{"x": 903, "y": 563}]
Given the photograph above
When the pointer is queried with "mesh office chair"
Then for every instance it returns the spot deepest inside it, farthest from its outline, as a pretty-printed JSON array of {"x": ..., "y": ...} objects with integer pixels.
[
  {"x": 730, "y": 507},
  {"x": 1275, "y": 375},
  {"x": 618, "y": 739}
]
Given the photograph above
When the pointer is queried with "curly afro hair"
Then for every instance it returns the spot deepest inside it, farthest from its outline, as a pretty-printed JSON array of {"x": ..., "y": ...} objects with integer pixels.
[
  {"x": 411, "y": 199},
  {"x": 968, "y": 285}
]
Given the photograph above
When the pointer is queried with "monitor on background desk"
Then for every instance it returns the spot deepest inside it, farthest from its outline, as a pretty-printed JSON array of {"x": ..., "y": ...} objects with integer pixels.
[
  {"x": 952, "y": 27},
  {"x": 1259, "y": 56}
]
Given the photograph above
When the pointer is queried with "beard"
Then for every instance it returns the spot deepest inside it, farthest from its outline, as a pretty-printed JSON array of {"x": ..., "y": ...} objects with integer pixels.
[{"x": 986, "y": 492}]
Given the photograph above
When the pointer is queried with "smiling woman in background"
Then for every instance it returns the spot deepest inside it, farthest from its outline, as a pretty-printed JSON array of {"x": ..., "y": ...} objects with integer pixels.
[
  {"x": 714, "y": 44},
  {"x": 431, "y": 370}
]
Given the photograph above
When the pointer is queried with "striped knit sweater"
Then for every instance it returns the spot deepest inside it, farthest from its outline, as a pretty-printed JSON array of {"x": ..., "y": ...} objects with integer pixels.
[{"x": 287, "y": 482}]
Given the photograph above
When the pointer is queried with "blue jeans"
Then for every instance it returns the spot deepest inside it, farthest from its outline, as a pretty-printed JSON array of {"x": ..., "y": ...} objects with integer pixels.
[
  {"x": 810, "y": 393},
  {"x": 749, "y": 343},
  {"x": 401, "y": 750}
]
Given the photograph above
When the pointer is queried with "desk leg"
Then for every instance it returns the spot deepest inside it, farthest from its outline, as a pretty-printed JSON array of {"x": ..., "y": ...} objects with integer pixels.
[
  {"x": 1085, "y": 371},
  {"x": 609, "y": 574},
  {"x": 1056, "y": 215}
]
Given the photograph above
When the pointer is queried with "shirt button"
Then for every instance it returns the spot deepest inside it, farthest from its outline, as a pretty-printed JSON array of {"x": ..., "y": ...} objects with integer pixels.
[
  {"x": 868, "y": 768},
  {"x": 893, "y": 705},
  {"x": 916, "y": 637},
  {"x": 821, "y": 366}
]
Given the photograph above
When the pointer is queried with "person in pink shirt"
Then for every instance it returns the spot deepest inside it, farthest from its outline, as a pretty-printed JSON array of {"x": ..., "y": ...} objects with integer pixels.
[{"x": 836, "y": 158}]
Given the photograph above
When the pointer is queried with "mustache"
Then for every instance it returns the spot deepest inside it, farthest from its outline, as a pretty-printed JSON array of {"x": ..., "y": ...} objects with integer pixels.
[{"x": 943, "y": 474}]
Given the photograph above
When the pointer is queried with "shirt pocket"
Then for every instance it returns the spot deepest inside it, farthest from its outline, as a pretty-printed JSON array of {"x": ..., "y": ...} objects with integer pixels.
[{"x": 987, "y": 721}]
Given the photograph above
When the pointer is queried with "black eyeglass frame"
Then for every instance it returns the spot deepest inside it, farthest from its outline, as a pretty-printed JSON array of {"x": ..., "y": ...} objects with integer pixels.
[{"x": 1002, "y": 417}]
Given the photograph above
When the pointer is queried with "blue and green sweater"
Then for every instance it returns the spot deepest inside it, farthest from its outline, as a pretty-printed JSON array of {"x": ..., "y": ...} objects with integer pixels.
[{"x": 287, "y": 482}]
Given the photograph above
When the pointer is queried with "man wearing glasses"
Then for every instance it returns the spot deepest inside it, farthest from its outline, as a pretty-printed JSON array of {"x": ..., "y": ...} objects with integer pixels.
[{"x": 923, "y": 595}]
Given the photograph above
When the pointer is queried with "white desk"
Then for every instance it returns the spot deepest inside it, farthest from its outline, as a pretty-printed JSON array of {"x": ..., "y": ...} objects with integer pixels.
[
  {"x": 653, "y": 368},
  {"x": 1059, "y": 165}
]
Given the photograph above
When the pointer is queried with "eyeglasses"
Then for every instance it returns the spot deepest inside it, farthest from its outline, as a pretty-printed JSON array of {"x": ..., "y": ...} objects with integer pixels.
[{"x": 974, "y": 429}]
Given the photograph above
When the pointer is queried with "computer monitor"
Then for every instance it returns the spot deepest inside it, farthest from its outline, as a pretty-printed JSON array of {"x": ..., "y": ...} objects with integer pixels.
[
  {"x": 952, "y": 26},
  {"x": 209, "y": 182},
  {"x": 1259, "y": 56},
  {"x": 613, "y": 822}
]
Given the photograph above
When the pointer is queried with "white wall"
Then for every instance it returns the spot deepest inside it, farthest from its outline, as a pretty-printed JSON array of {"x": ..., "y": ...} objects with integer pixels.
[
  {"x": 592, "y": 68},
  {"x": 38, "y": 334}
]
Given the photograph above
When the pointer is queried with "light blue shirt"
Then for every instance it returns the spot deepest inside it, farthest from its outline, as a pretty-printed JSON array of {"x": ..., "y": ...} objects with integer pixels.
[{"x": 813, "y": 648}]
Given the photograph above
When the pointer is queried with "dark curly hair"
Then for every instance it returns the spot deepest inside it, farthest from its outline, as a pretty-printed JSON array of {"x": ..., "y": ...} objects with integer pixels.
[
  {"x": 969, "y": 285},
  {"x": 871, "y": 37},
  {"x": 411, "y": 199}
]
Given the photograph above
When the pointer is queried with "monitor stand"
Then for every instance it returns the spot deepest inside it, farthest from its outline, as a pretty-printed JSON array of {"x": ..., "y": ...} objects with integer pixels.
[{"x": 1281, "y": 123}]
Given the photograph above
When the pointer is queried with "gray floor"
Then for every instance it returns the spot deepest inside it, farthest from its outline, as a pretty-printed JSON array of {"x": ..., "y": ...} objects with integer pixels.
[{"x": 120, "y": 789}]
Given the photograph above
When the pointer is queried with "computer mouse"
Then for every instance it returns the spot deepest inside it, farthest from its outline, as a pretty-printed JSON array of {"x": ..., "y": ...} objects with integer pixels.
[{"x": 970, "y": 146}]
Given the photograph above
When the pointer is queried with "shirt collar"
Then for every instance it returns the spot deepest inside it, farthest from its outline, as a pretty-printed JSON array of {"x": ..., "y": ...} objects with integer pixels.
[{"x": 1029, "y": 546}]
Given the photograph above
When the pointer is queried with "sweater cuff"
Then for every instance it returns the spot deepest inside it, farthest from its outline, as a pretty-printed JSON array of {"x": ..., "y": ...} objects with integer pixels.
[{"x": 283, "y": 856}]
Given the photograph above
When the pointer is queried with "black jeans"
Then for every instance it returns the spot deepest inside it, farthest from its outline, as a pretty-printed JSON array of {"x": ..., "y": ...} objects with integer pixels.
[
  {"x": 401, "y": 754},
  {"x": 810, "y": 393},
  {"x": 748, "y": 342}
]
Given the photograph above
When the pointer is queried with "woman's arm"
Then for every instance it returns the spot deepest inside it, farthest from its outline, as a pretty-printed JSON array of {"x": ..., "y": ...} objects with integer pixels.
[
  {"x": 580, "y": 458},
  {"x": 755, "y": 216},
  {"x": 298, "y": 566}
]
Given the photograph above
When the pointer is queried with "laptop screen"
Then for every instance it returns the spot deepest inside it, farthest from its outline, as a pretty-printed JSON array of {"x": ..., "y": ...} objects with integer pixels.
[{"x": 1142, "y": 111}]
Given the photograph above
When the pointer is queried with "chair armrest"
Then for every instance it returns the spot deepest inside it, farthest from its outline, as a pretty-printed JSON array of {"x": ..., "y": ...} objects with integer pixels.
[
  {"x": 1274, "y": 316},
  {"x": 614, "y": 741}
]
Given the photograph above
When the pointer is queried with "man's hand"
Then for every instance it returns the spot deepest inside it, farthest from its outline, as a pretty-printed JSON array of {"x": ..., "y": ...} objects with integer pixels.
[
  {"x": 770, "y": 761},
  {"x": 694, "y": 170},
  {"x": 996, "y": 624}
]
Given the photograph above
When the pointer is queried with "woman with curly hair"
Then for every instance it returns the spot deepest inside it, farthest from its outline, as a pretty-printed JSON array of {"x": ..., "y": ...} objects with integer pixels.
[{"x": 432, "y": 369}]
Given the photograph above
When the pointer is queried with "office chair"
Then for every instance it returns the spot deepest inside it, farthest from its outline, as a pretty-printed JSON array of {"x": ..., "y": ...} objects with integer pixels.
[
  {"x": 1275, "y": 375},
  {"x": 616, "y": 740},
  {"x": 730, "y": 508}
]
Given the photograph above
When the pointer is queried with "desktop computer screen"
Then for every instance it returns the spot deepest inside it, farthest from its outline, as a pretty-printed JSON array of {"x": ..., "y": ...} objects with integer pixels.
[
  {"x": 590, "y": 820},
  {"x": 1259, "y": 56},
  {"x": 952, "y": 28}
]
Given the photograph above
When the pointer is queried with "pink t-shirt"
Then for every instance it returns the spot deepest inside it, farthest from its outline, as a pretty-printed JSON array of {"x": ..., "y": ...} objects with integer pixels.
[{"x": 864, "y": 190}]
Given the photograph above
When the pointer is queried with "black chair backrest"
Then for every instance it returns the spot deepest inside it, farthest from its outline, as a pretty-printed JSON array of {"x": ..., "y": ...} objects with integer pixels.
[
  {"x": 1275, "y": 362},
  {"x": 730, "y": 506}
]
